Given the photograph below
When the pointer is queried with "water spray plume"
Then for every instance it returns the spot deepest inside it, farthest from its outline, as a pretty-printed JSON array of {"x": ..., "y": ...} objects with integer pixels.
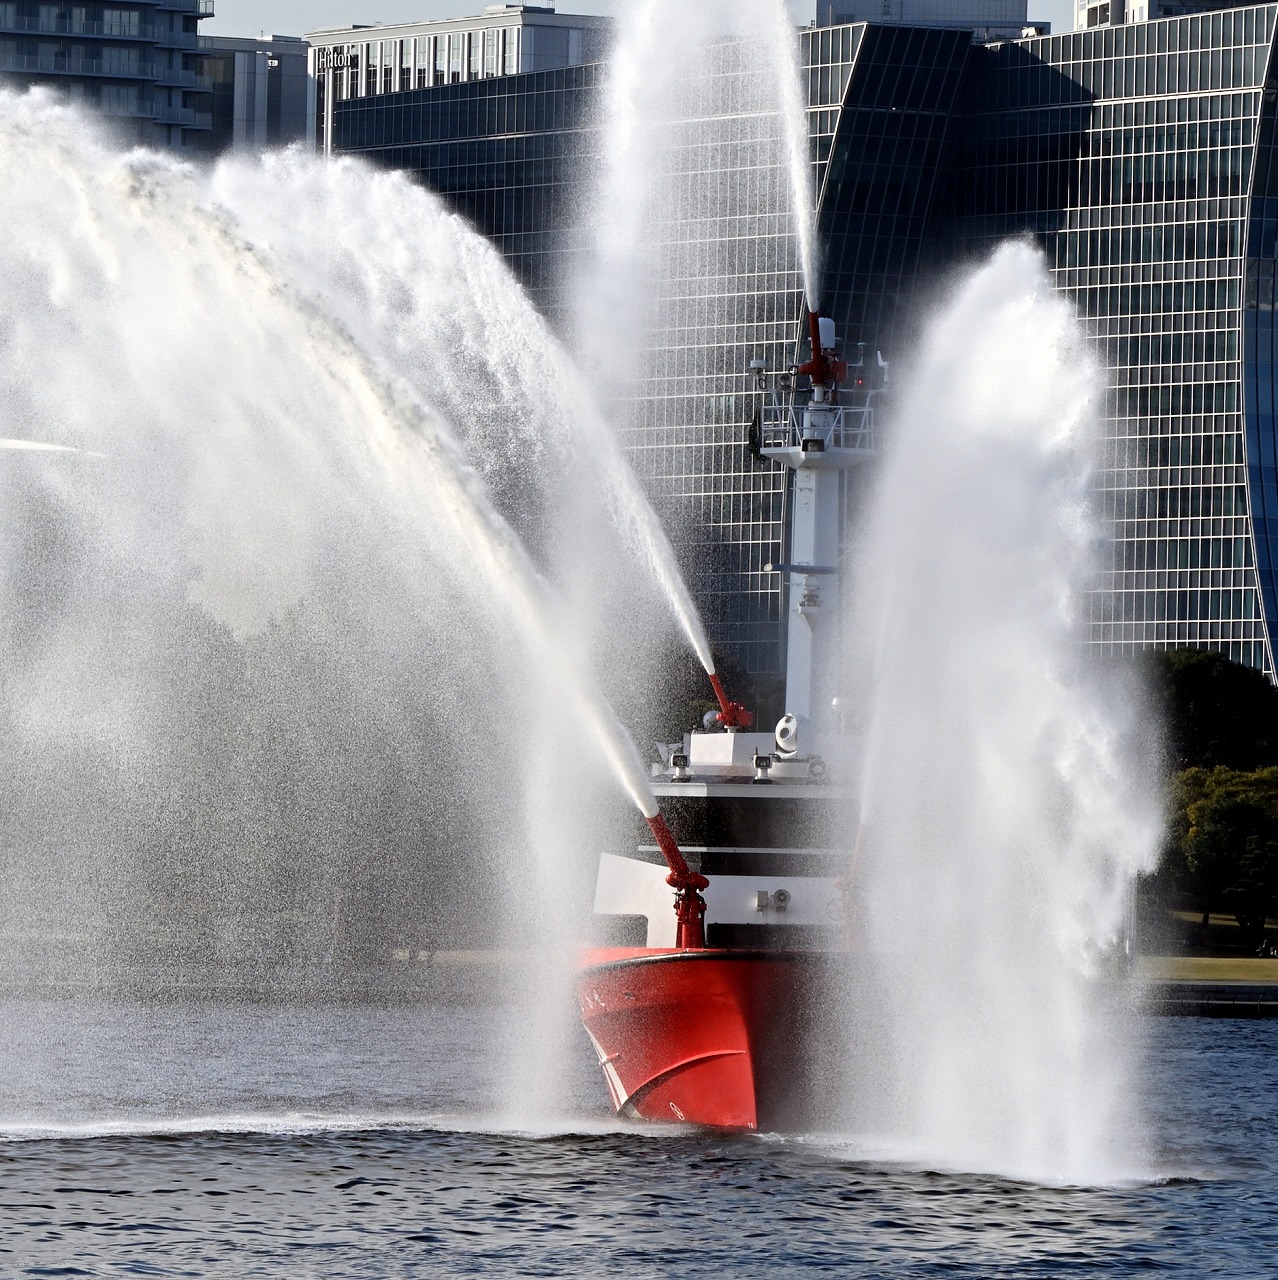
[
  {"x": 238, "y": 626},
  {"x": 1009, "y": 796},
  {"x": 652, "y": 91},
  {"x": 782, "y": 39},
  {"x": 366, "y": 248}
]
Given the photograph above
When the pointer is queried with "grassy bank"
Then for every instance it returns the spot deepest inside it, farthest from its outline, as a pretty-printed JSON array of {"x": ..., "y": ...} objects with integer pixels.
[{"x": 1207, "y": 969}]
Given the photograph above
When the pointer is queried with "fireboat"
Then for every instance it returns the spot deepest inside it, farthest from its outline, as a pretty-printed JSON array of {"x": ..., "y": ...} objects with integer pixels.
[{"x": 742, "y": 896}]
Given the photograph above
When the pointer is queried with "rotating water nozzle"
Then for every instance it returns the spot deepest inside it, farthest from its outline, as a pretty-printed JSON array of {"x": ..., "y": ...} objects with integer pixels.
[
  {"x": 732, "y": 715},
  {"x": 690, "y": 906},
  {"x": 825, "y": 368}
]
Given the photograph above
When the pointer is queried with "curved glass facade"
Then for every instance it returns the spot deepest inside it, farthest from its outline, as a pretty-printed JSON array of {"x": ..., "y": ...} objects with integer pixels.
[
  {"x": 1129, "y": 153},
  {"x": 1142, "y": 158},
  {"x": 880, "y": 121},
  {"x": 1260, "y": 350}
]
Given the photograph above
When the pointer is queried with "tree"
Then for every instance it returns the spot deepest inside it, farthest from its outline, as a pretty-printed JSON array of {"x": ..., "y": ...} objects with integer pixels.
[
  {"x": 1217, "y": 713},
  {"x": 1225, "y": 842}
]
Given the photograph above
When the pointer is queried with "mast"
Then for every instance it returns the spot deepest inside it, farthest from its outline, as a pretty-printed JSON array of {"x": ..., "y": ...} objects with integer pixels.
[{"x": 818, "y": 436}]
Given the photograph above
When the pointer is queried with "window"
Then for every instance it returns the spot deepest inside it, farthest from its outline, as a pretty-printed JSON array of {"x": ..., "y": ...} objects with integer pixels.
[
  {"x": 121, "y": 22},
  {"x": 120, "y": 99},
  {"x": 8, "y": 14},
  {"x": 425, "y": 61},
  {"x": 120, "y": 60}
]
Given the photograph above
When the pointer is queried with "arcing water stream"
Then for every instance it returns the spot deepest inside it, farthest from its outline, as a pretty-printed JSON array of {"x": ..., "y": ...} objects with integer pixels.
[
  {"x": 265, "y": 636},
  {"x": 1010, "y": 793},
  {"x": 652, "y": 229},
  {"x": 435, "y": 306},
  {"x": 753, "y": 103},
  {"x": 782, "y": 49}
]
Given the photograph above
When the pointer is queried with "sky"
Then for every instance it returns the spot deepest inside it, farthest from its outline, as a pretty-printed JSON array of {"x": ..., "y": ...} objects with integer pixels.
[{"x": 296, "y": 17}]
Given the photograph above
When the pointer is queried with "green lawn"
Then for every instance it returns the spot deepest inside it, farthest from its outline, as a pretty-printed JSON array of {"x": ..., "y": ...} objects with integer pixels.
[{"x": 1207, "y": 969}]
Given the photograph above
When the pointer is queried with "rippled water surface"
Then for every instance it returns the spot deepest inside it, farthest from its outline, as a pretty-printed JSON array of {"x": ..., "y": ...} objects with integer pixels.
[{"x": 333, "y": 1142}]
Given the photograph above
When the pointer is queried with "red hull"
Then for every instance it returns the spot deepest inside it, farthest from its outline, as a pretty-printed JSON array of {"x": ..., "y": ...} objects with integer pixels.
[{"x": 708, "y": 1037}]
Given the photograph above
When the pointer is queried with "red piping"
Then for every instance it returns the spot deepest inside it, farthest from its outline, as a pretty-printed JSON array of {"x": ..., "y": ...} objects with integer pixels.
[
  {"x": 732, "y": 715},
  {"x": 690, "y": 906}
]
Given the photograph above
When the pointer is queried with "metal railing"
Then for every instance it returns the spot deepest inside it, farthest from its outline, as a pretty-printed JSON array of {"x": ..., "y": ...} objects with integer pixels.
[
  {"x": 185, "y": 116},
  {"x": 836, "y": 426},
  {"x": 65, "y": 26},
  {"x": 109, "y": 31},
  {"x": 180, "y": 39},
  {"x": 81, "y": 67},
  {"x": 174, "y": 77},
  {"x": 58, "y": 65}
]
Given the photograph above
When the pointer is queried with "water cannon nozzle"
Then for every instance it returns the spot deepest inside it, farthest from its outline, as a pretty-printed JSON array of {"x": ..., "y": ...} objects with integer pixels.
[
  {"x": 732, "y": 715},
  {"x": 825, "y": 368}
]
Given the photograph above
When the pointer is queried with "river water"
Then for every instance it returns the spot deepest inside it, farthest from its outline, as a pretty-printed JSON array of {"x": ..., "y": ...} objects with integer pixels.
[{"x": 310, "y": 1141}]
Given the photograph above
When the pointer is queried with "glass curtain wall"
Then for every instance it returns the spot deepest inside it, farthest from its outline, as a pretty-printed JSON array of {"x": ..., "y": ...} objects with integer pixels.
[
  {"x": 515, "y": 154},
  {"x": 727, "y": 290},
  {"x": 1141, "y": 158},
  {"x": 1129, "y": 153},
  {"x": 510, "y": 153},
  {"x": 881, "y": 104}
]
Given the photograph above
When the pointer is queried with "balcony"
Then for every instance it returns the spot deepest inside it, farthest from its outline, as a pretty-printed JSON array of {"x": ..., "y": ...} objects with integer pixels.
[
  {"x": 137, "y": 33},
  {"x": 79, "y": 67},
  {"x": 185, "y": 116},
  {"x": 178, "y": 39},
  {"x": 175, "y": 78},
  {"x": 142, "y": 109},
  {"x": 96, "y": 69},
  {"x": 64, "y": 26}
]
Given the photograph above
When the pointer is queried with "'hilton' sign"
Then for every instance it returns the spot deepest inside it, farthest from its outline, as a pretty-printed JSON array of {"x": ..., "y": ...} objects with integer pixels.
[{"x": 334, "y": 58}]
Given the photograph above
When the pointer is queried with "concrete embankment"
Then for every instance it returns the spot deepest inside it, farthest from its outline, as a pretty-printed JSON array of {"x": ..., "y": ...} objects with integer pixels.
[
  {"x": 1211, "y": 986},
  {"x": 1214, "y": 999}
]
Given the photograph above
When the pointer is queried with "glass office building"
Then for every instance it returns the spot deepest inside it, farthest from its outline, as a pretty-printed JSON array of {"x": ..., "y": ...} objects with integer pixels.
[
  {"x": 1139, "y": 157},
  {"x": 137, "y": 63},
  {"x": 508, "y": 152},
  {"x": 513, "y": 153},
  {"x": 492, "y": 111}
]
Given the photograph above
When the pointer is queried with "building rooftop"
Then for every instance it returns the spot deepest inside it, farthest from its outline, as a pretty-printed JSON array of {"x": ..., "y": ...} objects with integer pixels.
[{"x": 493, "y": 15}]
